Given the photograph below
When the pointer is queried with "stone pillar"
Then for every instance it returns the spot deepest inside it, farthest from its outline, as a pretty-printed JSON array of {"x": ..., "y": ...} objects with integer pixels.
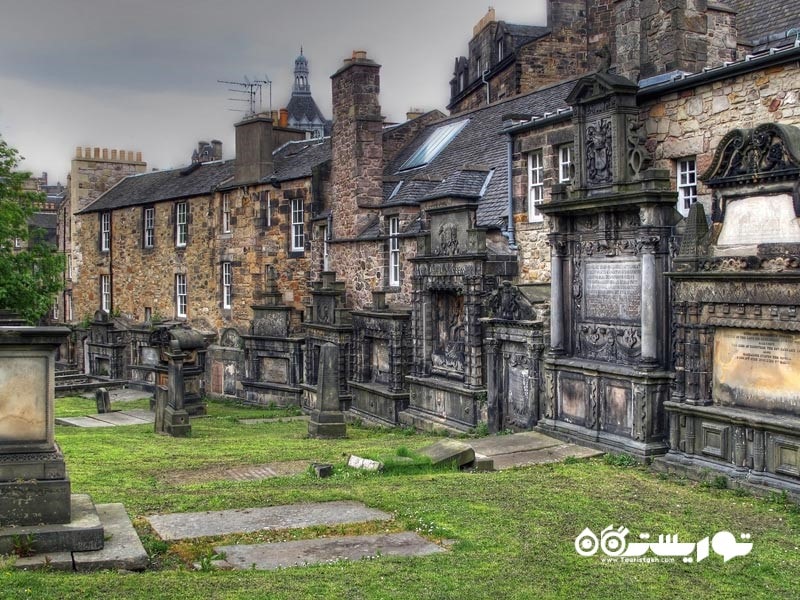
[
  {"x": 176, "y": 419},
  {"x": 557, "y": 297},
  {"x": 327, "y": 421},
  {"x": 649, "y": 303}
]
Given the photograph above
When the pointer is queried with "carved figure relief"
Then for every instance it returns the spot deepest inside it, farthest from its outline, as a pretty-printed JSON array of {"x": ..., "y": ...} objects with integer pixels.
[
  {"x": 449, "y": 332},
  {"x": 598, "y": 152},
  {"x": 508, "y": 303},
  {"x": 448, "y": 239}
]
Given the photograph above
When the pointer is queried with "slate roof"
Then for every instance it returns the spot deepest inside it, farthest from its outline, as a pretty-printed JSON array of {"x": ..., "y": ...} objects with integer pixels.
[
  {"x": 479, "y": 143},
  {"x": 522, "y": 34},
  {"x": 297, "y": 159},
  {"x": 302, "y": 106},
  {"x": 761, "y": 24},
  {"x": 159, "y": 186}
]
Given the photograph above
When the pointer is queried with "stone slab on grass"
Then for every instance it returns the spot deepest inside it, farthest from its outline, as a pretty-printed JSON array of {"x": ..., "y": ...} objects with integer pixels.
[
  {"x": 273, "y": 420},
  {"x": 82, "y": 422},
  {"x": 141, "y": 413},
  {"x": 295, "y": 516},
  {"x": 122, "y": 548},
  {"x": 316, "y": 551},
  {"x": 519, "y": 442},
  {"x": 365, "y": 464},
  {"x": 121, "y": 418},
  {"x": 57, "y": 561},
  {"x": 545, "y": 455},
  {"x": 448, "y": 451}
]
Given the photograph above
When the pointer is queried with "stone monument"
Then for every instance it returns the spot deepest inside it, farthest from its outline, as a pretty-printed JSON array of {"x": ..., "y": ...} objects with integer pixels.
[
  {"x": 35, "y": 491},
  {"x": 606, "y": 376},
  {"x": 327, "y": 420},
  {"x": 735, "y": 407}
]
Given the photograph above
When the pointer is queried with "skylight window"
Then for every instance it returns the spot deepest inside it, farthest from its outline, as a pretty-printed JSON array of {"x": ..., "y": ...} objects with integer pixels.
[{"x": 436, "y": 142}]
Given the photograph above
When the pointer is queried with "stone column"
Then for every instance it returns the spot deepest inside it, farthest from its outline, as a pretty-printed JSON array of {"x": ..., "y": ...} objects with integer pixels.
[
  {"x": 328, "y": 420},
  {"x": 557, "y": 296},
  {"x": 649, "y": 301}
]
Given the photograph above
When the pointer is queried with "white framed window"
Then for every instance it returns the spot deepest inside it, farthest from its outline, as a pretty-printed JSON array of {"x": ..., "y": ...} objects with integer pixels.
[
  {"x": 149, "y": 227},
  {"x": 148, "y": 314},
  {"x": 105, "y": 232},
  {"x": 564, "y": 164},
  {"x": 298, "y": 232},
  {"x": 181, "y": 220},
  {"x": 226, "y": 213},
  {"x": 69, "y": 267},
  {"x": 535, "y": 186},
  {"x": 394, "y": 251},
  {"x": 462, "y": 81},
  {"x": 105, "y": 293},
  {"x": 180, "y": 294},
  {"x": 687, "y": 184},
  {"x": 227, "y": 287},
  {"x": 267, "y": 208},
  {"x": 499, "y": 50},
  {"x": 68, "y": 308}
]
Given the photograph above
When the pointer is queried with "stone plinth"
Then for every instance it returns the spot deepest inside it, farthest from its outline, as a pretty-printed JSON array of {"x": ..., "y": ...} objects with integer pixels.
[{"x": 327, "y": 421}]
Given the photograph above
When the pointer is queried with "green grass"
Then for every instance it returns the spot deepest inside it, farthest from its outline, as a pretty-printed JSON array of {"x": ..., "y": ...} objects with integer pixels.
[{"x": 509, "y": 534}]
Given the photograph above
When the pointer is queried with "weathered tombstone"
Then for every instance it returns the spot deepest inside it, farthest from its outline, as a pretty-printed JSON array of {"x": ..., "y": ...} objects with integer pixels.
[
  {"x": 176, "y": 419},
  {"x": 103, "y": 400},
  {"x": 327, "y": 420},
  {"x": 161, "y": 398},
  {"x": 35, "y": 492},
  {"x": 735, "y": 406},
  {"x": 606, "y": 376}
]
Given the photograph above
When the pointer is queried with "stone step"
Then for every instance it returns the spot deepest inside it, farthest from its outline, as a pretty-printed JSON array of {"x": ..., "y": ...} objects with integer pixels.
[
  {"x": 325, "y": 550},
  {"x": 295, "y": 516}
]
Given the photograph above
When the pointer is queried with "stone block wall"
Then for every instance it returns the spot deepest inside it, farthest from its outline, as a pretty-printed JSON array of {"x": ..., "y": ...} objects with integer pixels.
[
  {"x": 532, "y": 244},
  {"x": 693, "y": 121}
]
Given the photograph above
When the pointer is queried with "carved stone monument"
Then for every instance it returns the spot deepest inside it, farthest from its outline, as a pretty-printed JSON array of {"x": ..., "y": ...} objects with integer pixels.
[
  {"x": 735, "y": 407},
  {"x": 327, "y": 420},
  {"x": 35, "y": 491},
  {"x": 607, "y": 376}
]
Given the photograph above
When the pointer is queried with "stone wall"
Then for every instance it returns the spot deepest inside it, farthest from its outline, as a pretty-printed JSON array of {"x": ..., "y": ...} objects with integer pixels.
[
  {"x": 533, "y": 248},
  {"x": 693, "y": 121}
]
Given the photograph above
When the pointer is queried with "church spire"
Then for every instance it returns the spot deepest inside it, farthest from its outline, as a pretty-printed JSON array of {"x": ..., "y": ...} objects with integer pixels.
[{"x": 301, "y": 84}]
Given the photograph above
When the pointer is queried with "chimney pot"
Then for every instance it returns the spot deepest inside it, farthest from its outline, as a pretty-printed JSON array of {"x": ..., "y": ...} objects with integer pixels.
[{"x": 284, "y": 118}]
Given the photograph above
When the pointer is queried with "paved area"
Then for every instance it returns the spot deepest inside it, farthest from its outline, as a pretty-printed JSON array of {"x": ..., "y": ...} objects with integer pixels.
[
  {"x": 122, "y": 548},
  {"x": 136, "y": 416},
  {"x": 315, "y": 551},
  {"x": 296, "y": 516},
  {"x": 527, "y": 448}
]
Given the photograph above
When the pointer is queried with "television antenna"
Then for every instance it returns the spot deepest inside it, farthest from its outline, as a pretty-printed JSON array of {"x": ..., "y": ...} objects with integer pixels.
[{"x": 247, "y": 91}]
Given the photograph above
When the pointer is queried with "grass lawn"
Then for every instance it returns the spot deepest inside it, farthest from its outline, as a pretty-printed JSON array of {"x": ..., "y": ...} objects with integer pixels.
[{"x": 508, "y": 534}]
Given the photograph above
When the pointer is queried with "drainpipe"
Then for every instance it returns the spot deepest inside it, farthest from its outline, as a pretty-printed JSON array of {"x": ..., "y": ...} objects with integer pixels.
[{"x": 512, "y": 243}]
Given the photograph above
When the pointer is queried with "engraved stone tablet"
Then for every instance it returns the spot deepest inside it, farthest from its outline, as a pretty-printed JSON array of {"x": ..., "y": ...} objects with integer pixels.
[
  {"x": 757, "y": 369},
  {"x": 24, "y": 410},
  {"x": 613, "y": 290},
  {"x": 760, "y": 220}
]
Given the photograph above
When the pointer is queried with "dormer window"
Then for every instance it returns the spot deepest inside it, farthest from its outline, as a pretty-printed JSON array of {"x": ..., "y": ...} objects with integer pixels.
[{"x": 499, "y": 49}]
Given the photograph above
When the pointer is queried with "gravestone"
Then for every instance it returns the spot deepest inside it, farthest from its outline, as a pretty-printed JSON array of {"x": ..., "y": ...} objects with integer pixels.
[
  {"x": 175, "y": 420},
  {"x": 327, "y": 421},
  {"x": 606, "y": 376},
  {"x": 103, "y": 400},
  {"x": 735, "y": 407},
  {"x": 35, "y": 491}
]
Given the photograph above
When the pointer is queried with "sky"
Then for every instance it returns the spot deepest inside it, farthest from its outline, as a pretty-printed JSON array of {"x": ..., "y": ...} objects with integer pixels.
[{"x": 142, "y": 75}]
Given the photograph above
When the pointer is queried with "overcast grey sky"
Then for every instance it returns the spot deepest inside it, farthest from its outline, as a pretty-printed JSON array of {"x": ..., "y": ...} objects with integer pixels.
[{"x": 142, "y": 75}]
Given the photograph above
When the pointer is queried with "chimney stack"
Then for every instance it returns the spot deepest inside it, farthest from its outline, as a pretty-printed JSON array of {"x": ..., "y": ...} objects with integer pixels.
[{"x": 254, "y": 145}]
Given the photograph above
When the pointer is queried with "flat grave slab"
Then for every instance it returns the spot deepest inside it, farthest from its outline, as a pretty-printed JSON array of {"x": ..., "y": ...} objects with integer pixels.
[
  {"x": 122, "y": 548},
  {"x": 295, "y": 516},
  {"x": 239, "y": 473},
  {"x": 316, "y": 551},
  {"x": 273, "y": 420},
  {"x": 550, "y": 454},
  {"x": 518, "y": 442},
  {"x": 120, "y": 418},
  {"x": 82, "y": 422},
  {"x": 122, "y": 395},
  {"x": 140, "y": 413},
  {"x": 446, "y": 451}
]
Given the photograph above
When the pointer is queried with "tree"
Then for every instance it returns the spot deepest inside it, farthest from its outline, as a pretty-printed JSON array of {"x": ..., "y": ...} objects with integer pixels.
[{"x": 30, "y": 270}]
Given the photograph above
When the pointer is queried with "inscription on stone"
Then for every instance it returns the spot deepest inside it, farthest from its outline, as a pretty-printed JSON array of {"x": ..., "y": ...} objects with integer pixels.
[
  {"x": 23, "y": 400},
  {"x": 612, "y": 290},
  {"x": 760, "y": 220},
  {"x": 274, "y": 370},
  {"x": 757, "y": 369}
]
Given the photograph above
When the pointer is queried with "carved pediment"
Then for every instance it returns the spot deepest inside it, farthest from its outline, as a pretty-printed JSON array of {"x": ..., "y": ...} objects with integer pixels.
[
  {"x": 769, "y": 152},
  {"x": 509, "y": 304},
  {"x": 598, "y": 86}
]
